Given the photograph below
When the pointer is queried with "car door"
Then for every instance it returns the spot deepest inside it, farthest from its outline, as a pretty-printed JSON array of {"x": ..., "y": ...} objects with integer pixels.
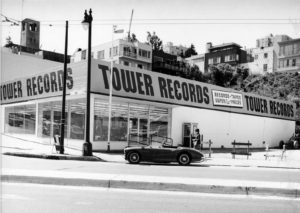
[{"x": 163, "y": 154}]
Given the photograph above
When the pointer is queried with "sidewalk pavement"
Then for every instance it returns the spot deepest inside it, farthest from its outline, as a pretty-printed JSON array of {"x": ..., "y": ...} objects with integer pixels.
[
  {"x": 25, "y": 148},
  {"x": 21, "y": 147}
]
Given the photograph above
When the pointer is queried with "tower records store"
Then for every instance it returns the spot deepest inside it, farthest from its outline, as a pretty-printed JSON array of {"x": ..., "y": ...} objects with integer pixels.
[{"x": 144, "y": 104}]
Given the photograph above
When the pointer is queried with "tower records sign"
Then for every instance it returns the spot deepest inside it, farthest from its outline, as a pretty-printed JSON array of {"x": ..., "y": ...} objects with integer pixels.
[{"x": 134, "y": 83}]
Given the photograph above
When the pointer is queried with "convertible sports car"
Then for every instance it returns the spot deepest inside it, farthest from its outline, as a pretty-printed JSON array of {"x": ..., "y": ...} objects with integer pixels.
[{"x": 162, "y": 154}]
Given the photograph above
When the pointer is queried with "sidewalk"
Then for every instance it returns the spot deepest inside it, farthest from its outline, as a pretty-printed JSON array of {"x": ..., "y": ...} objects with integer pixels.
[{"x": 24, "y": 148}]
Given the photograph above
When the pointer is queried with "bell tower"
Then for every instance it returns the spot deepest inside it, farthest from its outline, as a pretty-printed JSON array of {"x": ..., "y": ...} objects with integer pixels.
[{"x": 30, "y": 33}]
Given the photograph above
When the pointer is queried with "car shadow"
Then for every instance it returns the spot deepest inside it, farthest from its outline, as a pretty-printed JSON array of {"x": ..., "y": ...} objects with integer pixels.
[{"x": 170, "y": 164}]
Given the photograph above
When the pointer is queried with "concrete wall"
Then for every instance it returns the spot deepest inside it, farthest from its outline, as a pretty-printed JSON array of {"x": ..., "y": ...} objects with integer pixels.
[{"x": 223, "y": 127}]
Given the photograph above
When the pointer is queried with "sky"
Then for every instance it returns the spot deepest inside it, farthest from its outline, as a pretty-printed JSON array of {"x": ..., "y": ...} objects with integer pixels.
[{"x": 183, "y": 22}]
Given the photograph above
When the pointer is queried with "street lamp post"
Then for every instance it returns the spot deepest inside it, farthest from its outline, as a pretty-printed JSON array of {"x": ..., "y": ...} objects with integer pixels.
[
  {"x": 63, "y": 111},
  {"x": 87, "y": 146},
  {"x": 114, "y": 30}
]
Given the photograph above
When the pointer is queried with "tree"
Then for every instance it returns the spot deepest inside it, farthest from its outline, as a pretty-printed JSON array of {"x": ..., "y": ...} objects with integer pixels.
[
  {"x": 221, "y": 74},
  {"x": 132, "y": 38},
  {"x": 9, "y": 43},
  {"x": 190, "y": 51},
  {"x": 154, "y": 41}
]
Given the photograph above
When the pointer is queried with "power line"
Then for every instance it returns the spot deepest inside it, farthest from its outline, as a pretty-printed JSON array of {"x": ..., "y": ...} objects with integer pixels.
[{"x": 167, "y": 21}]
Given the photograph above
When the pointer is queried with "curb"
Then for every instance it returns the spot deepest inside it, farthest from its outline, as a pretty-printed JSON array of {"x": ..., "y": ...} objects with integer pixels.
[
  {"x": 54, "y": 157},
  {"x": 129, "y": 183}
]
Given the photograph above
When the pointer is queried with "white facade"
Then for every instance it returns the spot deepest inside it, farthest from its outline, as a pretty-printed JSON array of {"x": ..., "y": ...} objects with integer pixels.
[
  {"x": 133, "y": 54},
  {"x": 264, "y": 60},
  {"x": 222, "y": 128},
  {"x": 198, "y": 60}
]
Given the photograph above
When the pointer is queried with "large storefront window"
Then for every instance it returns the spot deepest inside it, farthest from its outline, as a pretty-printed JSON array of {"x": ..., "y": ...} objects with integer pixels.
[
  {"x": 119, "y": 120},
  {"x": 77, "y": 119},
  {"x": 159, "y": 121},
  {"x": 50, "y": 119},
  {"x": 130, "y": 122},
  {"x": 20, "y": 119},
  {"x": 138, "y": 123}
]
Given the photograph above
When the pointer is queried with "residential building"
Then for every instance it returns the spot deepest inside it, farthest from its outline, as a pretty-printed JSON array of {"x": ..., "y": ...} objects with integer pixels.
[
  {"x": 198, "y": 60},
  {"x": 289, "y": 56},
  {"x": 270, "y": 40},
  {"x": 174, "y": 50},
  {"x": 264, "y": 61},
  {"x": 133, "y": 54},
  {"x": 266, "y": 53},
  {"x": 167, "y": 63},
  {"x": 230, "y": 53}
]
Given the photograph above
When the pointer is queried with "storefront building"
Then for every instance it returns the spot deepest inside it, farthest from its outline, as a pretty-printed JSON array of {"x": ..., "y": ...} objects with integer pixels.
[{"x": 145, "y": 105}]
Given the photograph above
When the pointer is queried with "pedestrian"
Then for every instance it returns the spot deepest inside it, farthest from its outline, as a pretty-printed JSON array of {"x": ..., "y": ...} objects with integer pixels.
[{"x": 196, "y": 140}]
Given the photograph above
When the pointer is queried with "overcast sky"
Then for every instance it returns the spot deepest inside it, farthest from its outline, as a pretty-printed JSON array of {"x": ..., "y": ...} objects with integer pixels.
[{"x": 179, "y": 21}]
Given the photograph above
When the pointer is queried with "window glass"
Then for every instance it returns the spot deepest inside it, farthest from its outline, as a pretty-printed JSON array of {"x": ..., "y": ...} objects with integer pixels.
[
  {"x": 293, "y": 62},
  {"x": 56, "y": 120},
  {"x": 78, "y": 108},
  {"x": 158, "y": 123},
  {"x": 100, "y": 120},
  {"x": 130, "y": 122},
  {"x": 100, "y": 54},
  {"x": 119, "y": 121},
  {"x": 20, "y": 119}
]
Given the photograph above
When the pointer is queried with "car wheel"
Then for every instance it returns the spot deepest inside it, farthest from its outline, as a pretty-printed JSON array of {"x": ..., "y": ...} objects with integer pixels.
[
  {"x": 134, "y": 157},
  {"x": 281, "y": 143},
  {"x": 184, "y": 159},
  {"x": 296, "y": 145}
]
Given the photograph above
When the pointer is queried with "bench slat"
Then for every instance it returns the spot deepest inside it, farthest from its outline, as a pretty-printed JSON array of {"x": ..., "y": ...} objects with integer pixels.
[{"x": 239, "y": 143}]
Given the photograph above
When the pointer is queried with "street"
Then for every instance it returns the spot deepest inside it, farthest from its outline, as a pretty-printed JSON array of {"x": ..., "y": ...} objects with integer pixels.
[
  {"x": 167, "y": 170},
  {"x": 36, "y": 198}
]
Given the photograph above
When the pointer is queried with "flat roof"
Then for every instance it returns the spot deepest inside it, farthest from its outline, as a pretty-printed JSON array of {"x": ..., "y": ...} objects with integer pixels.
[{"x": 225, "y": 45}]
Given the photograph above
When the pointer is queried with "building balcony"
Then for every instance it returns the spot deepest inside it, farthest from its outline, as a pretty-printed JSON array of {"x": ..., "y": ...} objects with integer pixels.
[
  {"x": 157, "y": 66},
  {"x": 128, "y": 54}
]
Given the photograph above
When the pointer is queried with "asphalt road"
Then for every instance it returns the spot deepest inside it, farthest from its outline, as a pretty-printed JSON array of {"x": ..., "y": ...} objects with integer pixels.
[
  {"x": 173, "y": 170},
  {"x": 36, "y": 198}
]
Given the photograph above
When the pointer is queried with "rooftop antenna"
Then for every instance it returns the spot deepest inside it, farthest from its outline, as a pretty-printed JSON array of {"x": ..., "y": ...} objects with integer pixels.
[{"x": 130, "y": 25}]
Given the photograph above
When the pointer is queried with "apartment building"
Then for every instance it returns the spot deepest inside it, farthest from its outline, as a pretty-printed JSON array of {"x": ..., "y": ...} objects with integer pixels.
[
  {"x": 133, "y": 54},
  {"x": 198, "y": 60},
  {"x": 289, "y": 56},
  {"x": 230, "y": 53}
]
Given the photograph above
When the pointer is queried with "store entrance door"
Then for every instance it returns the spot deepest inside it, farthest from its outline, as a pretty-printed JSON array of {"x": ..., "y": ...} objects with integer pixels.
[{"x": 188, "y": 132}]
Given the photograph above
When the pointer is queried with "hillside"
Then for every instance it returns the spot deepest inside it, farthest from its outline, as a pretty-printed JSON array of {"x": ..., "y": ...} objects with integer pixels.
[{"x": 283, "y": 86}]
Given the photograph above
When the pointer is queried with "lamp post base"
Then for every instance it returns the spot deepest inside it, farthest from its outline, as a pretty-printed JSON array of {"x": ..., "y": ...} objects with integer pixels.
[
  {"x": 87, "y": 149},
  {"x": 108, "y": 147}
]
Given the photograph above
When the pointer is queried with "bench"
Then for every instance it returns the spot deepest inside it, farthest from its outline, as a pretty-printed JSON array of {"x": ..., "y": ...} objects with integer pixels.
[
  {"x": 268, "y": 155},
  {"x": 245, "y": 150}
]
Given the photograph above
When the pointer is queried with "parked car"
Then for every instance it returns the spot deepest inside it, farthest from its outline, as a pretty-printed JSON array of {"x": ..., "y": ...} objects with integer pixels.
[
  {"x": 293, "y": 142},
  {"x": 165, "y": 153}
]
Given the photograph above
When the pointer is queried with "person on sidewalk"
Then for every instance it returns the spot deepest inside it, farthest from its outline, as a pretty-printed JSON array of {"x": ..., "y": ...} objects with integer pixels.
[{"x": 196, "y": 140}]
